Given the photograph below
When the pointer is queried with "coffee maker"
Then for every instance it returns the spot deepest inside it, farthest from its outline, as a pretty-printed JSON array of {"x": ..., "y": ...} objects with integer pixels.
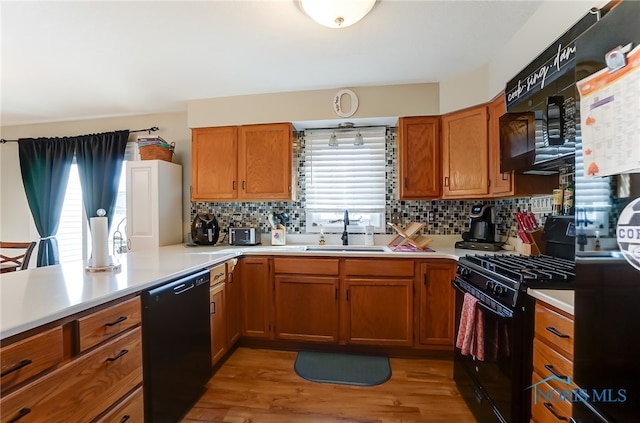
[{"x": 482, "y": 230}]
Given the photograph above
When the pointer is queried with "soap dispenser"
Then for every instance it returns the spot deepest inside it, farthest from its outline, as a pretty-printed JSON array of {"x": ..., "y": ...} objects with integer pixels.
[
  {"x": 321, "y": 240},
  {"x": 368, "y": 234},
  {"x": 596, "y": 247}
]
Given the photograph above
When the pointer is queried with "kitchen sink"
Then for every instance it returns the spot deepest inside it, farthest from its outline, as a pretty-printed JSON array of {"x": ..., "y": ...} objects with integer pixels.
[{"x": 349, "y": 248}]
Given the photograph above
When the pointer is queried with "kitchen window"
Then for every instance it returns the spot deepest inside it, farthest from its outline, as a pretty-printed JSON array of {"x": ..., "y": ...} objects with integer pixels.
[
  {"x": 74, "y": 237},
  {"x": 345, "y": 172}
]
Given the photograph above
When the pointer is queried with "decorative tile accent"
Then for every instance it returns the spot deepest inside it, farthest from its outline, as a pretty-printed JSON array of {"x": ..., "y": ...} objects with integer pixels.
[{"x": 442, "y": 217}]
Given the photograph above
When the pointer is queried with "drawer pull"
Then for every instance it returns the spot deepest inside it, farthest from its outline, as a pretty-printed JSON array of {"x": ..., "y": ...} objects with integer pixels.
[
  {"x": 549, "y": 407},
  {"x": 217, "y": 275},
  {"x": 556, "y": 332},
  {"x": 23, "y": 412},
  {"x": 118, "y": 320},
  {"x": 125, "y": 418},
  {"x": 17, "y": 367},
  {"x": 553, "y": 371},
  {"x": 120, "y": 354}
]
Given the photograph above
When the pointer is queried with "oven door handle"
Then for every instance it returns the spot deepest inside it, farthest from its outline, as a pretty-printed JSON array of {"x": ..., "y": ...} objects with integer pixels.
[{"x": 457, "y": 286}]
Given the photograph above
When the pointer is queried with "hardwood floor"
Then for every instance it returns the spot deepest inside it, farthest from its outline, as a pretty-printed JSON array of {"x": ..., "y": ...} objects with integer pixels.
[{"x": 257, "y": 385}]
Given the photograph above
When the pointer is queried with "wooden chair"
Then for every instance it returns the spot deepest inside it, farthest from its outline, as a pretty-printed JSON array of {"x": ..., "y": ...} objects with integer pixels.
[{"x": 16, "y": 262}]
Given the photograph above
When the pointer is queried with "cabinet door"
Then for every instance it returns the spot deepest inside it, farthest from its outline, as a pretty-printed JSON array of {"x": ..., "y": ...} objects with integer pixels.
[
  {"x": 232, "y": 304},
  {"x": 465, "y": 153},
  {"x": 419, "y": 157},
  {"x": 437, "y": 304},
  {"x": 256, "y": 297},
  {"x": 501, "y": 183},
  {"x": 214, "y": 168},
  {"x": 218, "y": 324},
  {"x": 306, "y": 308},
  {"x": 264, "y": 161},
  {"x": 379, "y": 311}
]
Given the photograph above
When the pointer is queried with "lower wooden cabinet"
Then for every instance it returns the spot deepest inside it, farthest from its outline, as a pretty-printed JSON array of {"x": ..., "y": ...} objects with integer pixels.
[
  {"x": 232, "y": 303},
  {"x": 359, "y": 301},
  {"x": 130, "y": 409},
  {"x": 82, "y": 389},
  {"x": 218, "y": 322},
  {"x": 436, "y": 317},
  {"x": 379, "y": 311},
  {"x": 256, "y": 297},
  {"x": 306, "y": 308},
  {"x": 552, "y": 364},
  {"x": 87, "y": 367}
]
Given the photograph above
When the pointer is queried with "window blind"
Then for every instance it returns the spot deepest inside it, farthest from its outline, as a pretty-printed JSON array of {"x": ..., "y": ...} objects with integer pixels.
[{"x": 347, "y": 176}]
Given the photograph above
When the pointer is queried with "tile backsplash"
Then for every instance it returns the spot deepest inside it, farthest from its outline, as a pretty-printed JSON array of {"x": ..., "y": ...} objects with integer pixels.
[{"x": 441, "y": 216}]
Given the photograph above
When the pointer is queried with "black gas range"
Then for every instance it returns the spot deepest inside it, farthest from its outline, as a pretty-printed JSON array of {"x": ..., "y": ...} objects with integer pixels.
[{"x": 494, "y": 378}]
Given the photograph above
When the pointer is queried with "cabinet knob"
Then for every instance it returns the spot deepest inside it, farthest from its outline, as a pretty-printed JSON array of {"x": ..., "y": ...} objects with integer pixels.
[{"x": 446, "y": 181}]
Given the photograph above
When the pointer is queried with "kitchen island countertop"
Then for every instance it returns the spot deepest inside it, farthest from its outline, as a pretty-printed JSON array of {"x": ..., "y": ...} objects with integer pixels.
[{"x": 38, "y": 296}]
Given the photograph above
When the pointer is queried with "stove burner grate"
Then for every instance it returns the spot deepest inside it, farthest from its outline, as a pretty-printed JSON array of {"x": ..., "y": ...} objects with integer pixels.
[{"x": 526, "y": 269}]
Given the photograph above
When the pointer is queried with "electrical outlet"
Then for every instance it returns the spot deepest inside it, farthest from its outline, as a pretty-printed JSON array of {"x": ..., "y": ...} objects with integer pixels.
[
  {"x": 237, "y": 217},
  {"x": 396, "y": 217}
]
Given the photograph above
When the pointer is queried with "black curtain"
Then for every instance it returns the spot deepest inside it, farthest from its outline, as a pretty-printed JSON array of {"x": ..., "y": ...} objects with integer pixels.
[
  {"x": 45, "y": 164},
  {"x": 100, "y": 158}
]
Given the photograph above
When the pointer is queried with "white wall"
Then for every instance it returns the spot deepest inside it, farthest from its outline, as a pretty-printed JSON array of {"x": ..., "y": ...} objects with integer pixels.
[
  {"x": 373, "y": 102},
  {"x": 546, "y": 25}
]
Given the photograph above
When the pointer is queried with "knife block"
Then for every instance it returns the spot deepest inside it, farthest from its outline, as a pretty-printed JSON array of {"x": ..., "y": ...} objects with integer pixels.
[{"x": 538, "y": 245}]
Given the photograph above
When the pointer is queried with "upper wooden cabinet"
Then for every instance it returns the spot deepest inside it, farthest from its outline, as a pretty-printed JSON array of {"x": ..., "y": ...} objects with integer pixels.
[
  {"x": 252, "y": 162},
  {"x": 419, "y": 157},
  {"x": 501, "y": 183},
  {"x": 465, "y": 153}
]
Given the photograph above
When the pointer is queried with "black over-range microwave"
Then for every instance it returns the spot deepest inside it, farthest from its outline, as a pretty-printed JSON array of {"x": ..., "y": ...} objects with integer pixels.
[{"x": 538, "y": 133}]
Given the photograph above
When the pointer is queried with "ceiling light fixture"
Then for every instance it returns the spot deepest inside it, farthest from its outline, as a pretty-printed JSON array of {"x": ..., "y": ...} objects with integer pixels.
[{"x": 337, "y": 13}]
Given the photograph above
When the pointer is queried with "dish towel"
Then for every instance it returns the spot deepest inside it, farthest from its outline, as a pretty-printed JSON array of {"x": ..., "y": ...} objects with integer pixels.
[{"x": 470, "y": 338}]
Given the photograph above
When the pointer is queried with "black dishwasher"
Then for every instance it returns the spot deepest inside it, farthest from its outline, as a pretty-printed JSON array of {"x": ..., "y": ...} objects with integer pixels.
[{"x": 176, "y": 346}]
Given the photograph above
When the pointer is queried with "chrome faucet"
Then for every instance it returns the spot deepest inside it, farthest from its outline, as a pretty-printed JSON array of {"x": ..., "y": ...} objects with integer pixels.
[{"x": 345, "y": 234}]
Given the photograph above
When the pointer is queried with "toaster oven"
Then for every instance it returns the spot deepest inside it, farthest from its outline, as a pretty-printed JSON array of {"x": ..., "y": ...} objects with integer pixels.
[{"x": 243, "y": 236}]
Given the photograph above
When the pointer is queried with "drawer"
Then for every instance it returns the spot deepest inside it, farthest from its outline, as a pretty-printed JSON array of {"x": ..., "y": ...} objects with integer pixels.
[
  {"x": 218, "y": 274},
  {"x": 82, "y": 389},
  {"x": 547, "y": 404},
  {"x": 306, "y": 266},
  {"x": 548, "y": 362},
  {"x": 377, "y": 268},
  {"x": 31, "y": 356},
  {"x": 555, "y": 329},
  {"x": 130, "y": 409},
  {"x": 104, "y": 324}
]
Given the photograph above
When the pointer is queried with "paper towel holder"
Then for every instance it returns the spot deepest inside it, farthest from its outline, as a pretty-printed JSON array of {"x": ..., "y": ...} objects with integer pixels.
[{"x": 112, "y": 265}]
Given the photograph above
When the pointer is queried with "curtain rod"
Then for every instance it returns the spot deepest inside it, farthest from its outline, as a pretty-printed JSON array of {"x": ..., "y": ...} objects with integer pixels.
[{"x": 150, "y": 130}]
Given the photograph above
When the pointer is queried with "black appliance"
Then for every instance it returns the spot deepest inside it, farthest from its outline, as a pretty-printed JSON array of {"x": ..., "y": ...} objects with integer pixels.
[
  {"x": 537, "y": 134},
  {"x": 205, "y": 229},
  {"x": 176, "y": 346},
  {"x": 559, "y": 235},
  {"x": 482, "y": 230},
  {"x": 495, "y": 388},
  {"x": 607, "y": 292}
]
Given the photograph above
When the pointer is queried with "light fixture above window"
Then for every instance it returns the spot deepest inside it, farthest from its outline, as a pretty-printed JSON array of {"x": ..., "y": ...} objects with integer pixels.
[
  {"x": 337, "y": 13},
  {"x": 333, "y": 140},
  {"x": 359, "y": 140}
]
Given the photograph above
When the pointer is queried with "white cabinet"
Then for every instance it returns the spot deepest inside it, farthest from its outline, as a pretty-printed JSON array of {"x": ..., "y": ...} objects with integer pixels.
[{"x": 154, "y": 204}]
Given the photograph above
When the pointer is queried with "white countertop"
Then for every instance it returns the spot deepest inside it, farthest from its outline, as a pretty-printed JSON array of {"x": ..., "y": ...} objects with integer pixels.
[
  {"x": 559, "y": 298},
  {"x": 31, "y": 298}
]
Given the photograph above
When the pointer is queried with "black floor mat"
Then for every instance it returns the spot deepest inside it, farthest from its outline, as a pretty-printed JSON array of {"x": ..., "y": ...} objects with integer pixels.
[{"x": 345, "y": 369}]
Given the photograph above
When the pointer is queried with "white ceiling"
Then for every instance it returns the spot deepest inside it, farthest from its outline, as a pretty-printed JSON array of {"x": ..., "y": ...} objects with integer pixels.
[{"x": 86, "y": 59}]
